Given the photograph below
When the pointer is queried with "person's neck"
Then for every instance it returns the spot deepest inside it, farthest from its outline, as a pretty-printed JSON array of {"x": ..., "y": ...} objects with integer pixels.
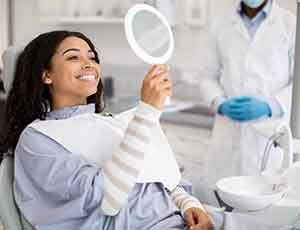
[
  {"x": 60, "y": 104},
  {"x": 252, "y": 12}
]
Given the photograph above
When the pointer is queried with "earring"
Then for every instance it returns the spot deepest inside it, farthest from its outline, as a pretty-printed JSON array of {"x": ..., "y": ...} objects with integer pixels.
[{"x": 47, "y": 81}]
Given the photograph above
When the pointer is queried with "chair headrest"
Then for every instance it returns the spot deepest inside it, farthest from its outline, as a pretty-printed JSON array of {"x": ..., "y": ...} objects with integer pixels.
[{"x": 10, "y": 57}]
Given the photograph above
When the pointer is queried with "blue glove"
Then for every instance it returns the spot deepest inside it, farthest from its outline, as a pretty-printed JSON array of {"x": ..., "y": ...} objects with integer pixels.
[
  {"x": 243, "y": 109},
  {"x": 225, "y": 108}
]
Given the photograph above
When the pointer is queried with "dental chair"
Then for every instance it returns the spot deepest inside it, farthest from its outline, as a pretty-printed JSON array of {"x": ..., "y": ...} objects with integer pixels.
[{"x": 10, "y": 217}]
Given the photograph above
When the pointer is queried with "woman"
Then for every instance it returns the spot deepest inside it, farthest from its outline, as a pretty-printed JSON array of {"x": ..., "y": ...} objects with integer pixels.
[{"x": 58, "y": 83}]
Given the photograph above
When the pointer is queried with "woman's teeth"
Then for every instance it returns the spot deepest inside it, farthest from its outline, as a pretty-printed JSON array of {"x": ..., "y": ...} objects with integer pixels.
[{"x": 87, "y": 78}]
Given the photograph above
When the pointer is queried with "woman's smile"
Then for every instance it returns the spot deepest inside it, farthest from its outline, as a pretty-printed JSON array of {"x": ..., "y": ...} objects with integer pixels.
[{"x": 88, "y": 78}]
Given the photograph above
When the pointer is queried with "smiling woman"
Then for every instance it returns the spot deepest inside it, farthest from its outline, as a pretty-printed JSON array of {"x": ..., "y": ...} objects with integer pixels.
[
  {"x": 76, "y": 169},
  {"x": 74, "y": 74},
  {"x": 45, "y": 79}
]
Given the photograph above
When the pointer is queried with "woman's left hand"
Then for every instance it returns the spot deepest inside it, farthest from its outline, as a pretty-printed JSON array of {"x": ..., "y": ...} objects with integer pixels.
[{"x": 197, "y": 219}]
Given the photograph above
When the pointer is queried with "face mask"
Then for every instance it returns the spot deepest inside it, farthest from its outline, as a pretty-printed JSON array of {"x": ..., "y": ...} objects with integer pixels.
[{"x": 253, "y": 3}]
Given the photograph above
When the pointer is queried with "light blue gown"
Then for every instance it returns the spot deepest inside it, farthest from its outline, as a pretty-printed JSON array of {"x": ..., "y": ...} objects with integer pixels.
[{"x": 56, "y": 189}]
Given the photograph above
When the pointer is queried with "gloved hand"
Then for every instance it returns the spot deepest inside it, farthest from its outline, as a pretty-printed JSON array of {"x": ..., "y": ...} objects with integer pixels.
[
  {"x": 225, "y": 108},
  {"x": 243, "y": 109}
]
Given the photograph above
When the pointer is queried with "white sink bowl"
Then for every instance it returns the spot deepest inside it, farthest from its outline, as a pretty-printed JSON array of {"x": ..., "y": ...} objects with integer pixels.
[{"x": 251, "y": 193}]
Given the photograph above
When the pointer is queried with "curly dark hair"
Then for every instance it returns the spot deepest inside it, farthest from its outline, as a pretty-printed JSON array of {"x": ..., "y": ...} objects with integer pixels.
[{"x": 29, "y": 98}]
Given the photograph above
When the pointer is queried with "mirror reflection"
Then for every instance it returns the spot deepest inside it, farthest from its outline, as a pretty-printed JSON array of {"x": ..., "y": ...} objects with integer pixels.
[{"x": 150, "y": 33}]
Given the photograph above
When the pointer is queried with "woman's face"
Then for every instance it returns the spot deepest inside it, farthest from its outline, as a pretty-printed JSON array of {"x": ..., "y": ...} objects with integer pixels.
[{"x": 74, "y": 73}]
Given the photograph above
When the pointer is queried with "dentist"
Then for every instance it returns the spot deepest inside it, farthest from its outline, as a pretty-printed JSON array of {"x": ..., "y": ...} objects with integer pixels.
[{"x": 250, "y": 84}]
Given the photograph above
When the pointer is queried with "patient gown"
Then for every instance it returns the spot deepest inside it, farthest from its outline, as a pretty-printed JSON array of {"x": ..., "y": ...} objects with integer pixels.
[{"x": 55, "y": 189}]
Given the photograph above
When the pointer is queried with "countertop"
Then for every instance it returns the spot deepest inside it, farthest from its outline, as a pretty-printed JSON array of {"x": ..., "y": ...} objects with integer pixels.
[{"x": 178, "y": 112}]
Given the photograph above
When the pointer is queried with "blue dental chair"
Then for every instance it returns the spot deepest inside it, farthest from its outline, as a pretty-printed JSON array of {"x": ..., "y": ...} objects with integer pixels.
[{"x": 10, "y": 217}]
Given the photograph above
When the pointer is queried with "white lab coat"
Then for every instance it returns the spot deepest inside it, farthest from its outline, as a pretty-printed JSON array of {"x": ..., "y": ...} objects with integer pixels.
[{"x": 257, "y": 67}]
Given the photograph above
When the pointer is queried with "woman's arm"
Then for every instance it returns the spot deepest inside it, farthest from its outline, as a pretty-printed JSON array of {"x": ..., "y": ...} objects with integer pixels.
[
  {"x": 52, "y": 183},
  {"x": 183, "y": 200},
  {"x": 122, "y": 171},
  {"x": 191, "y": 209}
]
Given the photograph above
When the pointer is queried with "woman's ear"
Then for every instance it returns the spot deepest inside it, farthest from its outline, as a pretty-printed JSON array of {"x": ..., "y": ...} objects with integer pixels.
[{"x": 46, "y": 78}]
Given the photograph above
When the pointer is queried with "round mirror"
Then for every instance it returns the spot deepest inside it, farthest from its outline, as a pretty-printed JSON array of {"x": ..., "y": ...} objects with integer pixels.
[{"x": 149, "y": 34}]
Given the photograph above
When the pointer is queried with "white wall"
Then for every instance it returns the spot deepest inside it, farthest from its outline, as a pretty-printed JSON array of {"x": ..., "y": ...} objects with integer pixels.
[
  {"x": 191, "y": 49},
  {"x": 110, "y": 39},
  {"x": 3, "y": 26}
]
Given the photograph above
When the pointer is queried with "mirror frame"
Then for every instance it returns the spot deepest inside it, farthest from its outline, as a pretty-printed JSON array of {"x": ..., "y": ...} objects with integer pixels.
[{"x": 132, "y": 41}]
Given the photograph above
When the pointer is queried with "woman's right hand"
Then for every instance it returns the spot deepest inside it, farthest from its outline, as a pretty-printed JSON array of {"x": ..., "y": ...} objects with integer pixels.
[{"x": 156, "y": 86}]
